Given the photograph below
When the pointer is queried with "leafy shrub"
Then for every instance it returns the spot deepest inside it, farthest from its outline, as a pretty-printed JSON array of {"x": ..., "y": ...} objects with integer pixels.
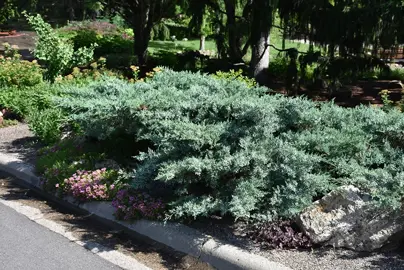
[
  {"x": 15, "y": 101},
  {"x": 106, "y": 43},
  {"x": 131, "y": 204},
  {"x": 221, "y": 147},
  {"x": 11, "y": 51},
  {"x": 99, "y": 27},
  {"x": 59, "y": 55},
  {"x": 90, "y": 185},
  {"x": 236, "y": 75},
  {"x": 21, "y": 101},
  {"x": 278, "y": 67},
  {"x": 47, "y": 124},
  {"x": 7, "y": 122},
  {"x": 280, "y": 234},
  {"x": 114, "y": 43},
  {"x": 18, "y": 72}
]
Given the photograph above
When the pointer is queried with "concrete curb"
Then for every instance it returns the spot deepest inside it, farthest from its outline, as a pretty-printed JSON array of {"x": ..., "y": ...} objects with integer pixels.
[{"x": 174, "y": 235}]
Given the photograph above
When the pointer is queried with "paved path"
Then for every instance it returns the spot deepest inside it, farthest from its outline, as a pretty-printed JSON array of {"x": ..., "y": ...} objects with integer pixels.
[{"x": 25, "y": 245}]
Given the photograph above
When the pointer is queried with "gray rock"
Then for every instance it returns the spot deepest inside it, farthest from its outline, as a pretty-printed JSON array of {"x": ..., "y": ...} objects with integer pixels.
[
  {"x": 348, "y": 218},
  {"x": 108, "y": 163},
  {"x": 396, "y": 85}
]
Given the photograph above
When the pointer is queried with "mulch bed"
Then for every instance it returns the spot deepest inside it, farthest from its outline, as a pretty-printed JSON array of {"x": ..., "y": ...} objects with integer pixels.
[
  {"x": 360, "y": 93},
  {"x": 12, "y": 36}
]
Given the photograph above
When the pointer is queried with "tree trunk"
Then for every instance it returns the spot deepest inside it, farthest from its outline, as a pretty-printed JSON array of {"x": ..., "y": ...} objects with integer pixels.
[
  {"x": 234, "y": 37},
  {"x": 260, "y": 58},
  {"x": 331, "y": 51},
  {"x": 142, "y": 25},
  {"x": 141, "y": 44},
  {"x": 71, "y": 10},
  {"x": 202, "y": 43},
  {"x": 260, "y": 39}
]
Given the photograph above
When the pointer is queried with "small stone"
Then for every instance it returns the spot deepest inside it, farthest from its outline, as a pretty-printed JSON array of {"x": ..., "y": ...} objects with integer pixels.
[
  {"x": 347, "y": 218},
  {"x": 109, "y": 164},
  {"x": 396, "y": 85}
]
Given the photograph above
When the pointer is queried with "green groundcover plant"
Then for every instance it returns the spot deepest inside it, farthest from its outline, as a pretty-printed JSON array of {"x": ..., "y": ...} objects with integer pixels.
[{"x": 220, "y": 147}]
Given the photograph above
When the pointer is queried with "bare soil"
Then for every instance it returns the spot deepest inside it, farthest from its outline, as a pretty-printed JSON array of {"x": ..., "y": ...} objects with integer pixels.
[
  {"x": 355, "y": 94},
  {"x": 25, "y": 41}
]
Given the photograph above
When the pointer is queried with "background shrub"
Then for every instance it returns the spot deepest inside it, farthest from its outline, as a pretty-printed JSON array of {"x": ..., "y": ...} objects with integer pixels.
[
  {"x": 221, "y": 147},
  {"x": 100, "y": 27},
  {"x": 106, "y": 44},
  {"x": 60, "y": 56},
  {"x": 47, "y": 124},
  {"x": 19, "y": 73},
  {"x": 20, "y": 101},
  {"x": 235, "y": 75}
]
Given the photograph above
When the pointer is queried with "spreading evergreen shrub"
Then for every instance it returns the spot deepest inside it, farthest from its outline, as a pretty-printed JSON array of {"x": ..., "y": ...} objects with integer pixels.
[{"x": 223, "y": 147}]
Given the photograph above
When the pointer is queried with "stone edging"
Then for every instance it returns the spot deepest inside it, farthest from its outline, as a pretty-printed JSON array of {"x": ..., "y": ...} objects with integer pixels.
[
  {"x": 174, "y": 235},
  {"x": 12, "y": 36}
]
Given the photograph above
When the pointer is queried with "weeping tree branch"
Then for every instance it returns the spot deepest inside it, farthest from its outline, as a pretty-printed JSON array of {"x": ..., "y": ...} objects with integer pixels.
[{"x": 285, "y": 50}]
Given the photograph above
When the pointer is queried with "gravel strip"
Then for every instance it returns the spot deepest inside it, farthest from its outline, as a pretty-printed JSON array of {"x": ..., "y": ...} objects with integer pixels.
[
  {"x": 19, "y": 142},
  {"x": 335, "y": 259}
]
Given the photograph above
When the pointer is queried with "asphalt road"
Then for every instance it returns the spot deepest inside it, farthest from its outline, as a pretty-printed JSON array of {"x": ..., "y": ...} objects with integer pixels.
[{"x": 25, "y": 245}]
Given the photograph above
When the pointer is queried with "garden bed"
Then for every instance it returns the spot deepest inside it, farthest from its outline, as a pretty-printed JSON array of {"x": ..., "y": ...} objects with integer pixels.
[
  {"x": 234, "y": 233},
  {"x": 8, "y": 33}
]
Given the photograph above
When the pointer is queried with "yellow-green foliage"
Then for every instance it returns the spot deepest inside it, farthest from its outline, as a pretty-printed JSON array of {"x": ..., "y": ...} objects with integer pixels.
[
  {"x": 235, "y": 75},
  {"x": 19, "y": 72}
]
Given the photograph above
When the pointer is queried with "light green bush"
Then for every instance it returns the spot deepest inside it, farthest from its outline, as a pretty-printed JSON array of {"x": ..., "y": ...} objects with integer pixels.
[
  {"x": 47, "y": 124},
  {"x": 19, "y": 73},
  {"x": 59, "y": 54},
  {"x": 23, "y": 100},
  {"x": 235, "y": 75},
  {"x": 223, "y": 147}
]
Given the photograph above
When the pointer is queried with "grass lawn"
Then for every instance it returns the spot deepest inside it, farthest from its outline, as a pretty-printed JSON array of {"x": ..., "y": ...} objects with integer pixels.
[
  {"x": 175, "y": 46},
  {"x": 179, "y": 45}
]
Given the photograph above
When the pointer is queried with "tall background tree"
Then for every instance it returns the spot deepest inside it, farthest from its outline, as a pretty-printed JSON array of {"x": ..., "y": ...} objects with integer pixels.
[
  {"x": 201, "y": 19},
  {"x": 8, "y": 10},
  {"x": 142, "y": 15},
  {"x": 346, "y": 27},
  {"x": 246, "y": 24}
]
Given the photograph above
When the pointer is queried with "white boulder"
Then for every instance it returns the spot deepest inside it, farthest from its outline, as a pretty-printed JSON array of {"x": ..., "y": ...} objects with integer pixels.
[{"x": 347, "y": 218}]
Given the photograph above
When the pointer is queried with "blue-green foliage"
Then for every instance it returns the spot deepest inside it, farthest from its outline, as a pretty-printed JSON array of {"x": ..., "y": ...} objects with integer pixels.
[{"x": 220, "y": 146}]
